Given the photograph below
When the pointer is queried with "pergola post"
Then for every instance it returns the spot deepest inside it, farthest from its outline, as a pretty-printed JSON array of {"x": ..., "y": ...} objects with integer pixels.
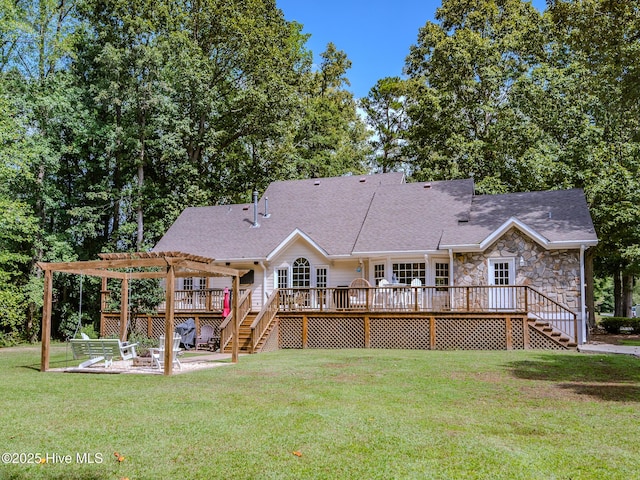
[
  {"x": 168, "y": 321},
  {"x": 235, "y": 345},
  {"x": 124, "y": 308},
  {"x": 46, "y": 320}
]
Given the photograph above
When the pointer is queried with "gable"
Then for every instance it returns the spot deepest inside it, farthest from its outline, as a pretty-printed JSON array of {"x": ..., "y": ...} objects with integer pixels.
[{"x": 553, "y": 219}]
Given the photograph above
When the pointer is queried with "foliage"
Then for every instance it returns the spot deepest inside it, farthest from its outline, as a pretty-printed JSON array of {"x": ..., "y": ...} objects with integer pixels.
[
  {"x": 616, "y": 325},
  {"x": 386, "y": 112}
]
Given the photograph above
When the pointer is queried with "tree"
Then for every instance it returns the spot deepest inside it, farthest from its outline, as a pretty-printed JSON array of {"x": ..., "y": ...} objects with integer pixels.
[
  {"x": 330, "y": 137},
  {"x": 386, "y": 114},
  {"x": 467, "y": 67},
  {"x": 610, "y": 61}
]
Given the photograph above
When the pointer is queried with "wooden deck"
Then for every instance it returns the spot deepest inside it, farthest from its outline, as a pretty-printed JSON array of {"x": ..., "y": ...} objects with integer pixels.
[{"x": 492, "y": 318}]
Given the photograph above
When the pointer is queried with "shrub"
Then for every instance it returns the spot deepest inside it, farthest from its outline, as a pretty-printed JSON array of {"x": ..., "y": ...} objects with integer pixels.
[{"x": 617, "y": 324}]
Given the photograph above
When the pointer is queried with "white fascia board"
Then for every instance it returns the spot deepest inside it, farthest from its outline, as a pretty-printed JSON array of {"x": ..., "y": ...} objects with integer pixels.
[
  {"x": 405, "y": 253},
  {"x": 295, "y": 234}
]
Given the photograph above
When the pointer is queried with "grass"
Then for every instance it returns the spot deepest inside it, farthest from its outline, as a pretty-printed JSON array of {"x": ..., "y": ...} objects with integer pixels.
[
  {"x": 370, "y": 414},
  {"x": 632, "y": 343}
]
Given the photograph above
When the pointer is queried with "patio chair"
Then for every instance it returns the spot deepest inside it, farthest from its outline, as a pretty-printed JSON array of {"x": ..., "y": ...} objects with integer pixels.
[
  {"x": 383, "y": 294},
  {"x": 206, "y": 332},
  {"x": 359, "y": 293},
  {"x": 157, "y": 354},
  {"x": 415, "y": 284}
]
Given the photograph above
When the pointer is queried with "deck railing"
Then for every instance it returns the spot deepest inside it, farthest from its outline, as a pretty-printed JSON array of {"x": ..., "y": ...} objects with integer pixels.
[
  {"x": 206, "y": 300},
  {"x": 261, "y": 323},
  {"x": 226, "y": 330},
  {"x": 399, "y": 298}
]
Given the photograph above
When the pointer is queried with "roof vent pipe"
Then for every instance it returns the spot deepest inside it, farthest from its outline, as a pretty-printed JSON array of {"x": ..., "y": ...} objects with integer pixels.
[
  {"x": 255, "y": 210},
  {"x": 266, "y": 207}
]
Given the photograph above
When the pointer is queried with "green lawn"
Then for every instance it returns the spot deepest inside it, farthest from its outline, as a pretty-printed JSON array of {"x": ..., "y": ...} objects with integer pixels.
[{"x": 349, "y": 414}]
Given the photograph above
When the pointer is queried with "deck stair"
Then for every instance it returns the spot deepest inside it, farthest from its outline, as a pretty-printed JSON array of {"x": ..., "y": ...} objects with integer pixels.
[
  {"x": 546, "y": 328},
  {"x": 244, "y": 338}
]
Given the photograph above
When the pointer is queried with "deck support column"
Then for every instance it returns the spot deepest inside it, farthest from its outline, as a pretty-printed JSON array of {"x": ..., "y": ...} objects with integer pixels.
[
  {"x": 525, "y": 333},
  {"x": 432, "y": 333},
  {"x": 305, "y": 331},
  {"x": 509, "y": 333},
  {"x": 367, "y": 332}
]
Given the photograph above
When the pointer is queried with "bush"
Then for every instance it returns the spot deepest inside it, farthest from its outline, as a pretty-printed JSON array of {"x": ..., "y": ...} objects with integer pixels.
[{"x": 617, "y": 324}]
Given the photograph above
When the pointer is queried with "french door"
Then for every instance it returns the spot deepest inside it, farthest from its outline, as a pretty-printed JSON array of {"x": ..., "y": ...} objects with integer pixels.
[{"x": 501, "y": 275}]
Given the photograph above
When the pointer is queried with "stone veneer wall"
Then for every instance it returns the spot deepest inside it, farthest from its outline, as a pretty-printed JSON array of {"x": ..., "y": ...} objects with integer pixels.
[{"x": 556, "y": 273}]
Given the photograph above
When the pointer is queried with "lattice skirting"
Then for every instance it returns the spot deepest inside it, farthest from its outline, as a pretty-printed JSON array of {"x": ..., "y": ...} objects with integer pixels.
[
  {"x": 408, "y": 333},
  {"x": 470, "y": 334},
  {"x": 440, "y": 333}
]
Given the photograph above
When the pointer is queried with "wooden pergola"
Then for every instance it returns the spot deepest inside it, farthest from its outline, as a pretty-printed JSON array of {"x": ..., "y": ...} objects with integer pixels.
[{"x": 160, "y": 265}]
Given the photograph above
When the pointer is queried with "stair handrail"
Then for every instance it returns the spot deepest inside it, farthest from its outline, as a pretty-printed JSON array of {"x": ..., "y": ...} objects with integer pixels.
[
  {"x": 244, "y": 307},
  {"x": 567, "y": 326},
  {"x": 263, "y": 320}
]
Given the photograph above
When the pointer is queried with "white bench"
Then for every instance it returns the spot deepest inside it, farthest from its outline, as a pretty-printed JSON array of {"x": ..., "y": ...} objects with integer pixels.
[{"x": 101, "y": 349}]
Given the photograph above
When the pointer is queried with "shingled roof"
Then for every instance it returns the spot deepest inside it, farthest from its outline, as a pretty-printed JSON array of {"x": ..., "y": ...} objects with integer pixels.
[{"x": 376, "y": 214}]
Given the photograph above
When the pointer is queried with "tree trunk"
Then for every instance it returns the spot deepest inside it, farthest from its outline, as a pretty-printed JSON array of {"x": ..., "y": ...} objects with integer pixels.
[
  {"x": 627, "y": 294},
  {"x": 617, "y": 294}
]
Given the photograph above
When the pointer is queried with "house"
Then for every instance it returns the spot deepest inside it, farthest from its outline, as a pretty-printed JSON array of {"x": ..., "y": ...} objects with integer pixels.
[{"x": 423, "y": 252}]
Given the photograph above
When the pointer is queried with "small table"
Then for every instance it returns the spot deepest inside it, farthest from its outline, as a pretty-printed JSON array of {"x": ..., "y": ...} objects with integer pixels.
[{"x": 213, "y": 343}]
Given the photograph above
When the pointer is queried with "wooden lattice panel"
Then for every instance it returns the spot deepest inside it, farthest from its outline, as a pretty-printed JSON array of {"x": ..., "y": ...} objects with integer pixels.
[
  {"x": 403, "y": 333},
  {"x": 139, "y": 325},
  {"x": 517, "y": 334},
  {"x": 271, "y": 343},
  {"x": 111, "y": 326},
  {"x": 471, "y": 334},
  {"x": 290, "y": 332},
  {"x": 336, "y": 332},
  {"x": 157, "y": 327},
  {"x": 537, "y": 341}
]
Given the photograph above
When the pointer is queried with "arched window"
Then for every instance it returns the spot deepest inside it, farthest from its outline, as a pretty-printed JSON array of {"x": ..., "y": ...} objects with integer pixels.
[{"x": 301, "y": 273}]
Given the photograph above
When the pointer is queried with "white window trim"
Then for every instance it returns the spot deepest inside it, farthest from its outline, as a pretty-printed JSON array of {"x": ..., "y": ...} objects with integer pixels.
[{"x": 490, "y": 269}]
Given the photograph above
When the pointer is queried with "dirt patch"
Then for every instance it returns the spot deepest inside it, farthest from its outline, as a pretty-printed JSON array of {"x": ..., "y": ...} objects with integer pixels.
[{"x": 611, "y": 339}]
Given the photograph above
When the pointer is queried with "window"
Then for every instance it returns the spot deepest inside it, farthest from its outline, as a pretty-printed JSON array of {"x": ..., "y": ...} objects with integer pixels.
[
  {"x": 405, "y": 272},
  {"x": 202, "y": 283},
  {"x": 441, "y": 275},
  {"x": 378, "y": 273},
  {"x": 188, "y": 283},
  {"x": 283, "y": 278},
  {"x": 301, "y": 273},
  {"x": 321, "y": 277},
  {"x": 501, "y": 273}
]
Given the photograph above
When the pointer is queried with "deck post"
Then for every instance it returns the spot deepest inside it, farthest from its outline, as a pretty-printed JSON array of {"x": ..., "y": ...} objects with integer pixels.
[
  {"x": 509, "y": 333},
  {"x": 367, "y": 332},
  {"x": 432, "y": 333},
  {"x": 305, "y": 330},
  {"x": 46, "y": 320},
  {"x": 525, "y": 333}
]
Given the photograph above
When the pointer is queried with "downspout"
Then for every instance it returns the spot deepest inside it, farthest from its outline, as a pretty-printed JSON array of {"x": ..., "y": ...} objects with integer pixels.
[
  {"x": 583, "y": 304},
  {"x": 264, "y": 283},
  {"x": 451, "y": 277}
]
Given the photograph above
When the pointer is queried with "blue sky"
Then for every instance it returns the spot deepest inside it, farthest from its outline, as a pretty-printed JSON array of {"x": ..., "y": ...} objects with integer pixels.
[{"x": 375, "y": 34}]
